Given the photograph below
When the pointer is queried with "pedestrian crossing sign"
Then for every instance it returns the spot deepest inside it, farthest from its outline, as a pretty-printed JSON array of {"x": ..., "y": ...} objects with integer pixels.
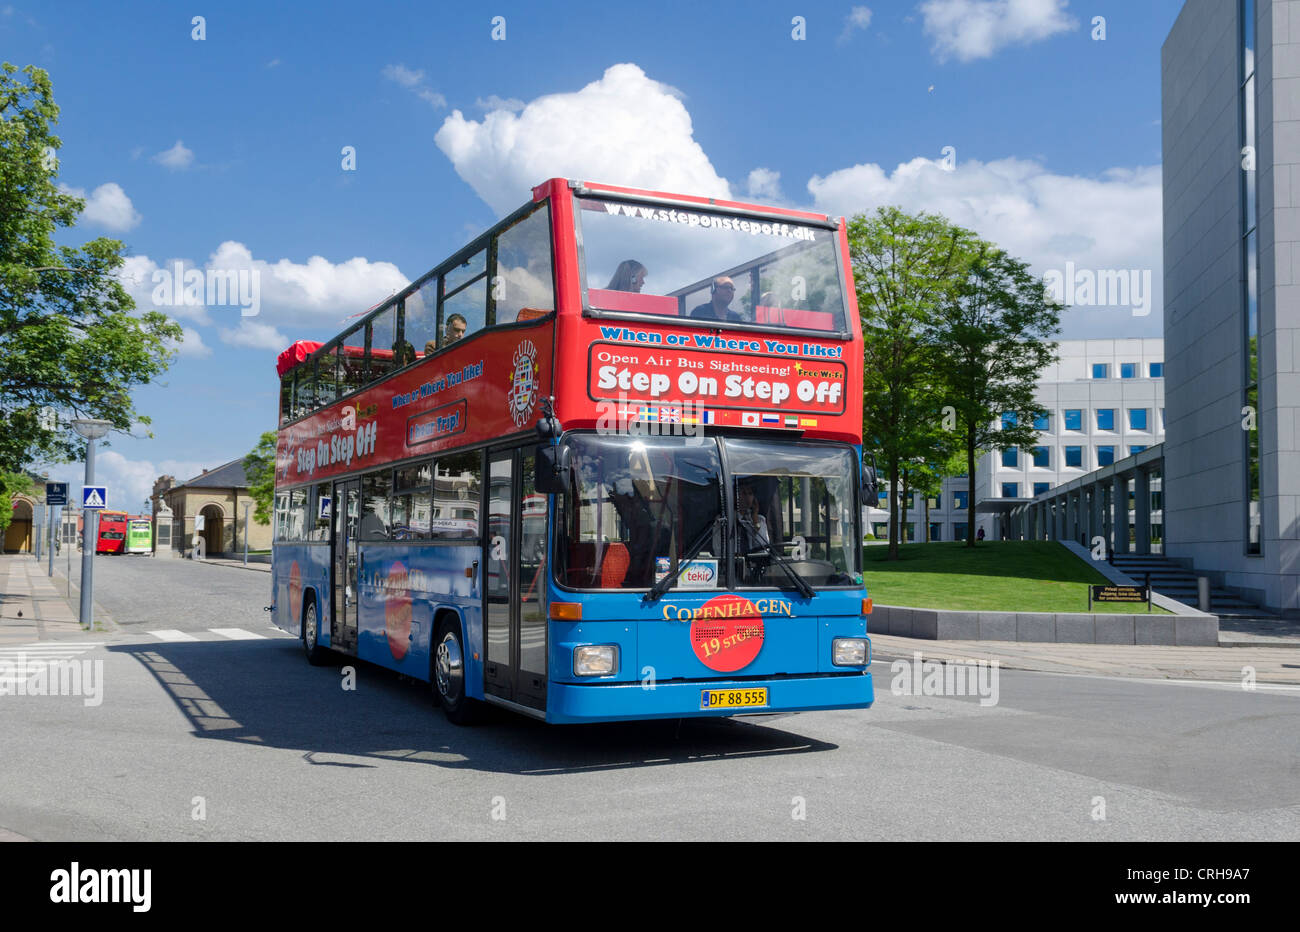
[{"x": 93, "y": 496}]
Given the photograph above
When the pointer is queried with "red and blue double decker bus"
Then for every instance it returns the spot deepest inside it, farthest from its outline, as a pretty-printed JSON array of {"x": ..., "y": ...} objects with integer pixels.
[{"x": 604, "y": 463}]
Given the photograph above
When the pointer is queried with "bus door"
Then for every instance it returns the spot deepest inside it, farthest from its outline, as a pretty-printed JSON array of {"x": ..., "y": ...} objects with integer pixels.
[
  {"x": 514, "y": 583},
  {"x": 347, "y": 510}
]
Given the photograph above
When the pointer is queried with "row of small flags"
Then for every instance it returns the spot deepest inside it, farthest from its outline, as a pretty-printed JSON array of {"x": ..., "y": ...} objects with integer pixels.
[{"x": 675, "y": 414}]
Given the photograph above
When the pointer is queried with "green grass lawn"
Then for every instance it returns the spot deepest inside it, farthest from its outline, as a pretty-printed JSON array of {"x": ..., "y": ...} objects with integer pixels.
[{"x": 995, "y": 576}]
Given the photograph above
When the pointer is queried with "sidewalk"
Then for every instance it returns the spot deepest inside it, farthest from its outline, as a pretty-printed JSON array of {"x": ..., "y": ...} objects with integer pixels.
[
  {"x": 32, "y": 607},
  {"x": 1218, "y": 664}
]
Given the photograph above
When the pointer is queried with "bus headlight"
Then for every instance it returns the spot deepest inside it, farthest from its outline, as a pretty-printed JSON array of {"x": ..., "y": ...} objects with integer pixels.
[
  {"x": 850, "y": 652},
  {"x": 595, "y": 660}
]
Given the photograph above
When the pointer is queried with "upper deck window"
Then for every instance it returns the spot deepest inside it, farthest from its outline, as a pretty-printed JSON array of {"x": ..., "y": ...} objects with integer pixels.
[{"x": 711, "y": 268}]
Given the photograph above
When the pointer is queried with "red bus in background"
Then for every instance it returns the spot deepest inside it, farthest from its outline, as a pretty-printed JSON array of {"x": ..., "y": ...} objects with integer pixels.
[{"x": 112, "y": 532}]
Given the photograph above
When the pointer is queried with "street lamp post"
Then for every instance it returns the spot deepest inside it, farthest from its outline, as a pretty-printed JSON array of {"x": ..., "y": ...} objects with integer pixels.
[
  {"x": 92, "y": 429},
  {"x": 245, "y": 533}
]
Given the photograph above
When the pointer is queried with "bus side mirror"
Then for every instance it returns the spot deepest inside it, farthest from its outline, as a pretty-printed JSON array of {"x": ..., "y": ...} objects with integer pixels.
[
  {"x": 552, "y": 468},
  {"x": 870, "y": 481}
]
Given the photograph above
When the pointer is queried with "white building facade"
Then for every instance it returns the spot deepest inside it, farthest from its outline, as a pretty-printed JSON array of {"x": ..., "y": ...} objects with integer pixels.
[{"x": 1104, "y": 401}]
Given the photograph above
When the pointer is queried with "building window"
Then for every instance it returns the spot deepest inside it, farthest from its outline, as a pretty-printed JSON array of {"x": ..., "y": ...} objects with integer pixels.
[
  {"x": 1105, "y": 418},
  {"x": 1074, "y": 419},
  {"x": 1011, "y": 490},
  {"x": 880, "y": 530},
  {"x": 1011, "y": 458},
  {"x": 1074, "y": 457},
  {"x": 1043, "y": 422},
  {"x": 959, "y": 500},
  {"x": 1041, "y": 487},
  {"x": 1128, "y": 370},
  {"x": 1042, "y": 457},
  {"x": 1137, "y": 418},
  {"x": 936, "y": 530},
  {"x": 1157, "y": 370},
  {"x": 1249, "y": 254},
  {"x": 882, "y": 498},
  {"x": 959, "y": 530},
  {"x": 1101, "y": 370},
  {"x": 1162, "y": 418},
  {"x": 1105, "y": 456},
  {"x": 1009, "y": 420},
  {"x": 1136, "y": 449}
]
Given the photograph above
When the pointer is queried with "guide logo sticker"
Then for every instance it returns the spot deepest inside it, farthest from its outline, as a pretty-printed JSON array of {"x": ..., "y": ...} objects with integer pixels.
[
  {"x": 727, "y": 633},
  {"x": 521, "y": 398}
]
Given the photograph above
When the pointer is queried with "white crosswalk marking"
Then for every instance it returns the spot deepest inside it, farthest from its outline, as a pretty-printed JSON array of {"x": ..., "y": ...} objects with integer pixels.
[
  {"x": 169, "y": 634},
  {"x": 237, "y": 634}
]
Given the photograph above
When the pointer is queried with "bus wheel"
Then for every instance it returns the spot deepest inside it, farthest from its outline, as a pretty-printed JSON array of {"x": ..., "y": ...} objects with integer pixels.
[
  {"x": 316, "y": 655},
  {"x": 449, "y": 675}
]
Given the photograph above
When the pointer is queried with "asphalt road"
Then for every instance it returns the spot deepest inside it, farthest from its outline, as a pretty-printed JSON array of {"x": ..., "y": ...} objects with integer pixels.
[{"x": 247, "y": 735}]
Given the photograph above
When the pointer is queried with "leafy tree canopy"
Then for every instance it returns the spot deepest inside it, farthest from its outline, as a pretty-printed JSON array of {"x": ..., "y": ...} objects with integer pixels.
[
  {"x": 259, "y": 469},
  {"x": 70, "y": 342}
]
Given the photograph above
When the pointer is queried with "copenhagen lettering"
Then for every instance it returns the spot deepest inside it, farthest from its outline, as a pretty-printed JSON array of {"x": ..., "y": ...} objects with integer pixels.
[
  {"x": 728, "y": 610},
  {"x": 87, "y": 885}
]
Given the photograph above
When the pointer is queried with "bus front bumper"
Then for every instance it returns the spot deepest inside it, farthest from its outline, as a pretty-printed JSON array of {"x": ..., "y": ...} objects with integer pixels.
[{"x": 571, "y": 703}]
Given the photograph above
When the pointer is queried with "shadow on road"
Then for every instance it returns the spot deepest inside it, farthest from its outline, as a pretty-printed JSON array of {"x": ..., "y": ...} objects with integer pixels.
[{"x": 264, "y": 693}]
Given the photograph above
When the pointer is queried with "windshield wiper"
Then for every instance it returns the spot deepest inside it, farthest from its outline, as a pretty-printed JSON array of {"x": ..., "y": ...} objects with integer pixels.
[
  {"x": 800, "y": 583},
  {"x": 692, "y": 552}
]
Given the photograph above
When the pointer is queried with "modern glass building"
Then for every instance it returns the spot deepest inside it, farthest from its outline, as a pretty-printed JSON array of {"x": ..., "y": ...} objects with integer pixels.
[{"x": 1230, "y": 76}]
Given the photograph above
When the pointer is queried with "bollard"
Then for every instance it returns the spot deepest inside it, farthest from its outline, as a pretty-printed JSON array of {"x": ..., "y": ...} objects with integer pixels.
[{"x": 1203, "y": 593}]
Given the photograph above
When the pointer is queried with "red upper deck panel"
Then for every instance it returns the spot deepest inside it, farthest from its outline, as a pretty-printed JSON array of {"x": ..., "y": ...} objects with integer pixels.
[{"x": 605, "y": 372}]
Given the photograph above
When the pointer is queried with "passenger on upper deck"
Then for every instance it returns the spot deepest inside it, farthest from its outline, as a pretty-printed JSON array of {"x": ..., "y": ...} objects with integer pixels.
[
  {"x": 629, "y": 276},
  {"x": 456, "y": 327},
  {"x": 723, "y": 290}
]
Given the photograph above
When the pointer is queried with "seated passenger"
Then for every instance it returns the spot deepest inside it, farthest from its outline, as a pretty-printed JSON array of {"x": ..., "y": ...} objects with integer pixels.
[
  {"x": 722, "y": 290},
  {"x": 455, "y": 329},
  {"x": 751, "y": 526},
  {"x": 629, "y": 276}
]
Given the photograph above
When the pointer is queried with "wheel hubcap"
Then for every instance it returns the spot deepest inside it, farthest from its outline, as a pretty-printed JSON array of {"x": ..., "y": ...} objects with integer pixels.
[
  {"x": 309, "y": 627},
  {"x": 449, "y": 667}
]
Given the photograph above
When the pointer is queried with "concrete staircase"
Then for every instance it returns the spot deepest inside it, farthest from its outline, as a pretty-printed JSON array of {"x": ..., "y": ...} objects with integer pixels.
[{"x": 1177, "y": 583}]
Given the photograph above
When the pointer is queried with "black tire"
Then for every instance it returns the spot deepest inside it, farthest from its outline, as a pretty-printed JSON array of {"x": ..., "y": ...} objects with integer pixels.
[
  {"x": 448, "y": 675},
  {"x": 316, "y": 655}
]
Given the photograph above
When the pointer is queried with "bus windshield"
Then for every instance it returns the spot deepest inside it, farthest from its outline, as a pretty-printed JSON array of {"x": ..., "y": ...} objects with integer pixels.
[
  {"x": 710, "y": 266},
  {"x": 635, "y": 507}
]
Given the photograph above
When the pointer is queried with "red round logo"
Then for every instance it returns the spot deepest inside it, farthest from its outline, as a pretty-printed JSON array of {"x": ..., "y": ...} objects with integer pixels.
[
  {"x": 397, "y": 611},
  {"x": 727, "y": 633}
]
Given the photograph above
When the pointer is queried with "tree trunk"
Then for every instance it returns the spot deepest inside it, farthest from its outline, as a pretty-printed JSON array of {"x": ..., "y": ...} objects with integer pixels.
[
  {"x": 970, "y": 486},
  {"x": 902, "y": 520},
  {"x": 893, "y": 508}
]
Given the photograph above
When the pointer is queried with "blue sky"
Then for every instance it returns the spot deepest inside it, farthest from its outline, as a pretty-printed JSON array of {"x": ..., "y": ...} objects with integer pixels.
[{"x": 226, "y": 152}]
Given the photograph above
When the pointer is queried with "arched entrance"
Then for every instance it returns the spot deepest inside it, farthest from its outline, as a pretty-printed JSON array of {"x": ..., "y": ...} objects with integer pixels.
[
  {"x": 213, "y": 525},
  {"x": 18, "y": 536}
]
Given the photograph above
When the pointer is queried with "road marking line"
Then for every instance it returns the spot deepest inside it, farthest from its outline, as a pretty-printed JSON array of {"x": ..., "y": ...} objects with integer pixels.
[
  {"x": 171, "y": 634},
  {"x": 237, "y": 634}
]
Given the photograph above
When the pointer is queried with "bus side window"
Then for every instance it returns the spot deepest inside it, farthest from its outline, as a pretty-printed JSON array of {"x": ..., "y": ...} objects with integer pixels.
[
  {"x": 376, "y": 489},
  {"x": 421, "y": 318},
  {"x": 523, "y": 281},
  {"x": 456, "y": 483},
  {"x": 465, "y": 294}
]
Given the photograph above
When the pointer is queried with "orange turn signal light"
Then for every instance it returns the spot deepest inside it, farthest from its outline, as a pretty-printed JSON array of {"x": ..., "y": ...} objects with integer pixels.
[
  {"x": 566, "y": 611},
  {"x": 866, "y": 606}
]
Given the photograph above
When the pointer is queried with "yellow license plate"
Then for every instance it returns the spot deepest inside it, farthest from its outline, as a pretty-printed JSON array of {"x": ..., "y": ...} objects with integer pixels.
[{"x": 732, "y": 698}]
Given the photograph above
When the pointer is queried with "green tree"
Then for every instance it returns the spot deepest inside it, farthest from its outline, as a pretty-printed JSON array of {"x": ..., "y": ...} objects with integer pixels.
[
  {"x": 259, "y": 469},
  {"x": 994, "y": 340},
  {"x": 70, "y": 345},
  {"x": 905, "y": 268}
]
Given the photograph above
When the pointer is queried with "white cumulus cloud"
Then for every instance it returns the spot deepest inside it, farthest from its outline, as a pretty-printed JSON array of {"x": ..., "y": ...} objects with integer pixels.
[
  {"x": 637, "y": 132},
  {"x": 129, "y": 481},
  {"x": 107, "y": 206},
  {"x": 1112, "y": 221},
  {"x": 177, "y": 158},
  {"x": 764, "y": 185},
  {"x": 971, "y": 29},
  {"x": 255, "y": 335},
  {"x": 191, "y": 344},
  {"x": 859, "y": 19}
]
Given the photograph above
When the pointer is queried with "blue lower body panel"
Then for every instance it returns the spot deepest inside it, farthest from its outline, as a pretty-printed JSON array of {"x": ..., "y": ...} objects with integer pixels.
[{"x": 612, "y": 702}]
